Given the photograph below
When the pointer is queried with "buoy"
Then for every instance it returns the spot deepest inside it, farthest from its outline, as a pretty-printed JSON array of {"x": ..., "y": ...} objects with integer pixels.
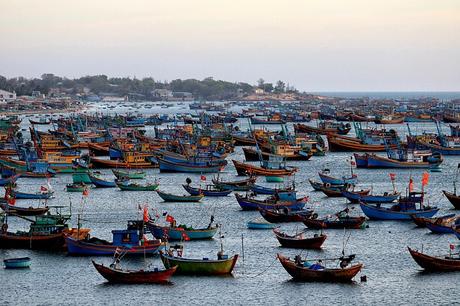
[{"x": 363, "y": 278}]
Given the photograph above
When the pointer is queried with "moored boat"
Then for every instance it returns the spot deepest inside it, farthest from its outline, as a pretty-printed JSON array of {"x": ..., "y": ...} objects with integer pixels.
[
  {"x": 446, "y": 263},
  {"x": 17, "y": 263},
  {"x": 208, "y": 191},
  {"x": 299, "y": 241},
  {"x": 284, "y": 215},
  {"x": 168, "y": 197}
]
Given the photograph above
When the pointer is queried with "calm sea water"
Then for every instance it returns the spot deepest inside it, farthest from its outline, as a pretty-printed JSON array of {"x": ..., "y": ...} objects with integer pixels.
[
  {"x": 442, "y": 95},
  {"x": 393, "y": 277}
]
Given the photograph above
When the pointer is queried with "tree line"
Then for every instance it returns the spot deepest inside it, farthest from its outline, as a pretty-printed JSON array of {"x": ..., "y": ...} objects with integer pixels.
[{"x": 207, "y": 88}]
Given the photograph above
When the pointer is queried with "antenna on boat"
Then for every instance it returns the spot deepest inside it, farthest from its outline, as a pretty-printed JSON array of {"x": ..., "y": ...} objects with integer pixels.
[{"x": 242, "y": 248}]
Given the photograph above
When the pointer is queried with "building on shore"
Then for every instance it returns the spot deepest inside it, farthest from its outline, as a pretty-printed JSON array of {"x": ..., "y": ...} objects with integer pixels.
[{"x": 6, "y": 96}]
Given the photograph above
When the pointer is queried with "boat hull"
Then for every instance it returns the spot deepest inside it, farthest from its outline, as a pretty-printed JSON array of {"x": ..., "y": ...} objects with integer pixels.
[
  {"x": 434, "y": 264},
  {"x": 200, "y": 266},
  {"x": 375, "y": 213},
  {"x": 134, "y": 277}
]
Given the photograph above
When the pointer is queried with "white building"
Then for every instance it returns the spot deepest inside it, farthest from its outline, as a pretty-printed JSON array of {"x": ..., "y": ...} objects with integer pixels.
[{"x": 6, "y": 96}]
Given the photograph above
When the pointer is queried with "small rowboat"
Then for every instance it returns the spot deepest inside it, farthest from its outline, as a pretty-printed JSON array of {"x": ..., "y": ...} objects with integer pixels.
[
  {"x": 132, "y": 175},
  {"x": 356, "y": 197},
  {"x": 221, "y": 266},
  {"x": 77, "y": 187},
  {"x": 303, "y": 271},
  {"x": 453, "y": 199},
  {"x": 327, "y": 179},
  {"x": 209, "y": 191},
  {"x": 167, "y": 197},
  {"x": 298, "y": 241},
  {"x": 339, "y": 222},
  {"x": 31, "y": 196},
  {"x": 17, "y": 263},
  {"x": 435, "y": 264},
  {"x": 125, "y": 186},
  {"x": 23, "y": 211},
  {"x": 241, "y": 185},
  {"x": 259, "y": 224},
  {"x": 114, "y": 275},
  {"x": 248, "y": 203},
  {"x": 284, "y": 215},
  {"x": 337, "y": 192},
  {"x": 257, "y": 189},
  {"x": 179, "y": 233}
]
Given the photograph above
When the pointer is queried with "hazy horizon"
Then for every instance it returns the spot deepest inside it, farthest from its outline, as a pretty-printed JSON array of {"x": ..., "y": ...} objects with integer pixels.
[{"x": 316, "y": 46}]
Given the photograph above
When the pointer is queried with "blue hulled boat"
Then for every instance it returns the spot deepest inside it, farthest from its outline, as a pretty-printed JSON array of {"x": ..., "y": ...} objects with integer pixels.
[
  {"x": 17, "y": 263},
  {"x": 182, "y": 233},
  {"x": 97, "y": 181},
  {"x": 326, "y": 179},
  {"x": 355, "y": 197},
  {"x": 280, "y": 200},
  {"x": 189, "y": 167},
  {"x": 403, "y": 210},
  {"x": 32, "y": 196},
  {"x": 258, "y": 189}
]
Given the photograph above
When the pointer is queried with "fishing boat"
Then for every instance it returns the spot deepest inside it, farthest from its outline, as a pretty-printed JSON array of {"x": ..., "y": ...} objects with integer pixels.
[
  {"x": 336, "y": 222},
  {"x": 190, "y": 167},
  {"x": 443, "y": 225},
  {"x": 389, "y": 119},
  {"x": 130, "y": 160},
  {"x": 303, "y": 270},
  {"x": 76, "y": 187},
  {"x": 32, "y": 196},
  {"x": 223, "y": 265},
  {"x": 453, "y": 198},
  {"x": 280, "y": 200},
  {"x": 132, "y": 175},
  {"x": 273, "y": 119},
  {"x": 98, "y": 182},
  {"x": 258, "y": 189},
  {"x": 23, "y": 211},
  {"x": 17, "y": 263},
  {"x": 132, "y": 240},
  {"x": 260, "y": 224},
  {"x": 208, "y": 191},
  {"x": 284, "y": 215},
  {"x": 127, "y": 186},
  {"x": 405, "y": 160},
  {"x": 115, "y": 274},
  {"x": 240, "y": 185},
  {"x": 335, "y": 192},
  {"x": 324, "y": 128},
  {"x": 356, "y": 197},
  {"x": 173, "y": 232},
  {"x": 318, "y": 186},
  {"x": 250, "y": 170},
  {"x": 168, "y": 197},
  {"x": 445, "y": 263},
  {"x": 254, "y": 155},
  {"x": 402, "y": 210},
  {"x": 327, "y": 179},
  {"x": 299, "y": 241},
  {"x": 41, "y": 121},
  {"x": 9, "y": 180}
]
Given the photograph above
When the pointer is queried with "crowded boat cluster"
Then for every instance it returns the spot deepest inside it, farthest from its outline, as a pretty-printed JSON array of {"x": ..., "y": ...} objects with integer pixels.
[{"x": 117, "y": 151}]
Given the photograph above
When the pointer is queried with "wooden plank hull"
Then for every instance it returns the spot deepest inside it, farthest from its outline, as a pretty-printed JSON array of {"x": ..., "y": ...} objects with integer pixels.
[
  {"x": 301, "y": 273},
  {"x": 247, "y": 170},
  {"x": 134, "y": 277},
  {"x": 435, "y": 264},
  {"x": 453, "y": 199},
  {"x": 42, "y": 242},
  {"x": 298, "y": 242}
]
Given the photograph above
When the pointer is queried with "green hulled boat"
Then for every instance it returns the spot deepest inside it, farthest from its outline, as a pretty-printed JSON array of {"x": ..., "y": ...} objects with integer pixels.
[
  {"x": 125, "y": 186},
  {"x": 223, "y": 265},
  {"x": 133, "y": 175},
  {"x": 81, "y": 176},
  {"x": 168, "y": 197},
  {"x": 274, "y": 179},
  {"x": 76, "y": 187}
]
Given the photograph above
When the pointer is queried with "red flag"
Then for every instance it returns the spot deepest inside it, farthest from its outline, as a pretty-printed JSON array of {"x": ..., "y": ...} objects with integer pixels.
[
  {"x": 169, "y": 219},
  {"x": 11, "y": 200},
  {"x": 203, "y": 178},
  {"x": 185, "y": 236},
  {"x": 452, "y": 247},
  {"x": 43, "y": 188},
  {"x": 425, "y": 178},
  {"x": 85, "y": 192},
  {"x": 146, "y": 214},
  {"x": 392, "y": 176},
  {"x": 353, "y": 163},
  {"x": 411, "y": 184}
]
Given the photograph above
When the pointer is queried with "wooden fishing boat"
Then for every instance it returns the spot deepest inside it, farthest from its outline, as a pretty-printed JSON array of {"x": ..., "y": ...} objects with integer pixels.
[
  {"x": 241, "y": 185},
  {"x": 389, "y": 120},
  {"x": 422, "y": 221},
  {"x": 356, "y": 197},
  {"x": 250, "y": 170},
  {"x": 284, "y": 215},
  {"x": 137, "y": 163},
  {"x": 443, "y": 225},
  {"x": 23, "y": 211},
  {"x": 98, "y": 182},
  {"x": 260, "y": 224},
  {"x": 280, "y": 200},
  {"x": 178, "y": 233},
  {"x": 76, "y": 187},
  {"x": 258, "y": 189},
  {"x": 31, "y": 196},
  {"x": 336, "y": 223},
  {"x": 301, "y": 270},
  {"x": 40, "y": 122},
  {"x": 271, "y": 120},
  {"x": 17, "y": 263},
  {"x": 402, "y": 210},
  {"x": 132, "y": 175},
  {"x": 446, "y": 263},
  {"x": 9, "y": 180},
  {"x": 253, "y": 155},
  {"x": 428, "y": 160},
  {"x": 299, "y": 241},
  {"x": 168, "y": 197},
  {"x": 208, "y": 191},
  {"x": 188, "y": 167},
  {"x": 341, "y": 143},
  {"x": 317, "y": 186},
  {"x": 127, "y": 186},
  {"x": 132, "y": 240},
  {"x": 453, "y": 199},
  {"x": 117, "y": 275},
  {"x": 324, "y": 128},
  {"x": 327, "y": 179},
  {"x": 223, "y": 265},
  {"x": 96, "y": 149},
  {"x": 334, "y": 192}
]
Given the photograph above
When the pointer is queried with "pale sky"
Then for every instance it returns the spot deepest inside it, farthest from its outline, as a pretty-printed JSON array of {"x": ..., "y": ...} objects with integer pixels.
[{"x": 315, "y": 45}]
